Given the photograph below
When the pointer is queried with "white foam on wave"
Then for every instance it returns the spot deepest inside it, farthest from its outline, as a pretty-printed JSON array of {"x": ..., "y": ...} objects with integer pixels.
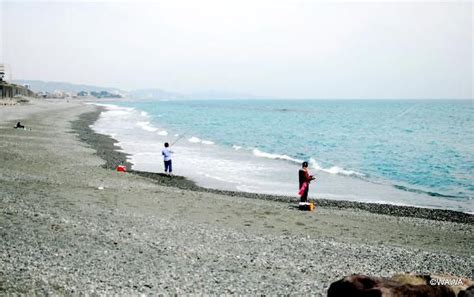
[
  {"x": 113, "y": 107},
  {"x": 146, "y": 126},
  {"x": 216, "y": 177},
  {"x": 194, "y": 139},
  {"x": 113, "y": 118},
  {"x": 163, "y": 133},
  {"x": 236, "y": 147},
  {"x": 259, "y": 153},
  {"x": 115, "y": 114},
  {"x": 119, "y": 146},
  {"x": 334, "y": 169}
]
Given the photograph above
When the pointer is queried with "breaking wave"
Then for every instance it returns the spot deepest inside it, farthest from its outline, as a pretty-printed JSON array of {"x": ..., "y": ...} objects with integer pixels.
[
  {"x": 259, "y": 153},
  {"x": 334, "y": 169},
  {"x": 312, "y": 162},
  {"x": 194, "y": 139},
  {"x": 147, "y": 127}
]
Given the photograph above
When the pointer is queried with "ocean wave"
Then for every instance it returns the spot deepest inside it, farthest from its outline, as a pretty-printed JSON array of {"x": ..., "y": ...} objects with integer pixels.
[
  {"x": 115, "y": 110},
  {"x": 312, "y": 162},
  {"x": 432, "y": 194},
  {"x": 146, "y": 126},
  {"x": 334, "y": 169},
  {"x": 259, "y": 153},
  {"x": 194, "y": 139},
  {"x": 118, "y": 113},
  {"x": 236, "y": 147},
  {"x": 216, "y": 177},
  {"x": 112, "y": 106},
  {"x": 163, "y": 133}
]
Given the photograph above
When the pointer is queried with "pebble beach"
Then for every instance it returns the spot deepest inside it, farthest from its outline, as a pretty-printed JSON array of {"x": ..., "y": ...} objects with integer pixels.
[{"x": 71, "y": 224}]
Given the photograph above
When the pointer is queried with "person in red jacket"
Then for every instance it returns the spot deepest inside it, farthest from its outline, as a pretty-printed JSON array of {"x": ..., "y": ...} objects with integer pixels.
[{"x": 304, "y": 178}]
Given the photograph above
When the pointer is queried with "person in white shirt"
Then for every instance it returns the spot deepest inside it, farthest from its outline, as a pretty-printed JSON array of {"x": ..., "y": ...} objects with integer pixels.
[{"x": 166, "y": 152}]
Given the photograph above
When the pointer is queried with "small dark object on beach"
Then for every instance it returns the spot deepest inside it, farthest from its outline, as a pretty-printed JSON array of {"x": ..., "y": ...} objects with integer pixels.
[
  {"x": 121, "y": 168},
  {"x": 306, "y": 206},
  {"x": 19, "y": 126}
]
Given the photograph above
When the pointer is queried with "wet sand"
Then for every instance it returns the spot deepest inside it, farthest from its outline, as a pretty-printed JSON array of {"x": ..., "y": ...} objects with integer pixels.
[{"x": 148, "y": 233}]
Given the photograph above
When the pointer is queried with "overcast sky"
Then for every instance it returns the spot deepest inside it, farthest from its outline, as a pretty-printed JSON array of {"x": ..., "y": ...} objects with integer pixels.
[{"x": 286, "y": 49}]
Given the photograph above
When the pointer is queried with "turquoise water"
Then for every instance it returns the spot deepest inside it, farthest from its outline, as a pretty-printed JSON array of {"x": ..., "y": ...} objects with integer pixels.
[{"x": 413, "y": 146}]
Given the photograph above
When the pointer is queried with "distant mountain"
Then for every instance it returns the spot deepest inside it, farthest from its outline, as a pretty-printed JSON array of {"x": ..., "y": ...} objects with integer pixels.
[
  {"x": 48, "y": 86},
  {"x": 141, "y": 94}
]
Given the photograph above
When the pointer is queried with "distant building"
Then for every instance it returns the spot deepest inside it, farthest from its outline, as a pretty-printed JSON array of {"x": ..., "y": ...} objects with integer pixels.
[
  {"x": 2, "y": 72},
  {"x": 83, "y": 93},
  {"x": 60, "y": 94},
  {"x": 105, "y": 94},
  {"x": 12, "y": 91}
]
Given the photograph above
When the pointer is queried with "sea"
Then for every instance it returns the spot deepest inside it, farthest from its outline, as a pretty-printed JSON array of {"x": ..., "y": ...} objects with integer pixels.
[{"x": 403, "y": 152}]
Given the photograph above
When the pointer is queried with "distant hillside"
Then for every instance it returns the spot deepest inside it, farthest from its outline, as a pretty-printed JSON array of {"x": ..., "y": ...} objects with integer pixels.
[
  {"x": 47, "y": 86},
  {"x": 151, "y": 93}
]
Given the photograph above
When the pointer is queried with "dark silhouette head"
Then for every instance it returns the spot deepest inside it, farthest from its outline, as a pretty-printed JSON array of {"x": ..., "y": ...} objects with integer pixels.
[
  {"x": 166, "y": 144},
  {"x": 305, "y": 164}
]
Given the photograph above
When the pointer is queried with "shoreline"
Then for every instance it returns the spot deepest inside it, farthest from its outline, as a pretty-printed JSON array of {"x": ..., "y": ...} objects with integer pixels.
[{"x": 106, "y": 149}]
